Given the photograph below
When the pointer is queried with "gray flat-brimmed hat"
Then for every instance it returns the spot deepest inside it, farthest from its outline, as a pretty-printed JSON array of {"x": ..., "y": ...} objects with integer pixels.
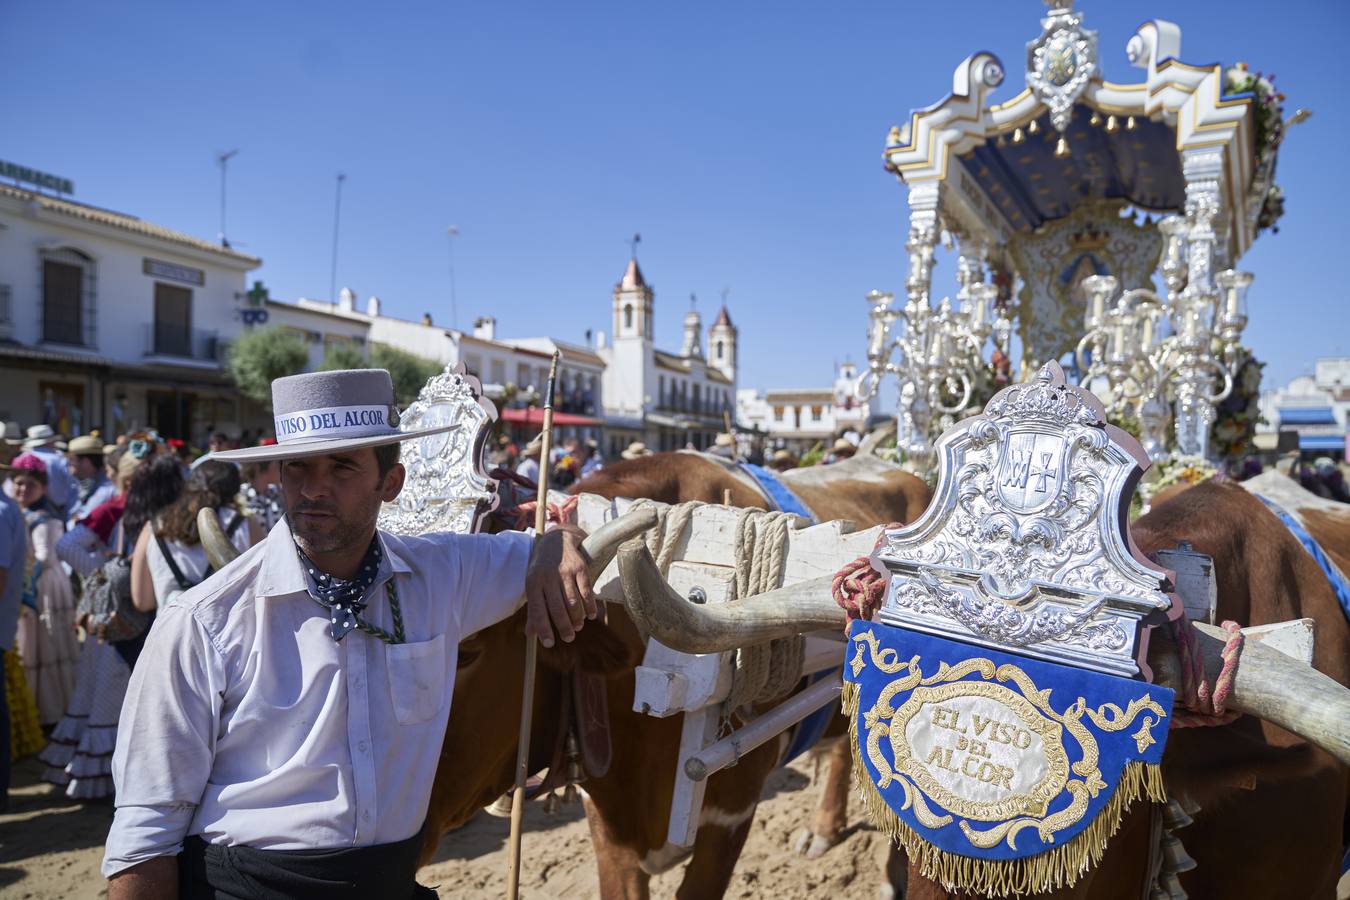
[
  {"x": 36, "y": 436},
  {"x": 328, "y": 412}
]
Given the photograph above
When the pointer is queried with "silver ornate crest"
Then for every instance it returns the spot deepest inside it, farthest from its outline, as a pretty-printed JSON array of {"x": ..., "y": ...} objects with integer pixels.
[
  {"x": 446, "y": 488},
  {"x": 1061, "y": 62},
  {"x": 1025, "y": 545}
]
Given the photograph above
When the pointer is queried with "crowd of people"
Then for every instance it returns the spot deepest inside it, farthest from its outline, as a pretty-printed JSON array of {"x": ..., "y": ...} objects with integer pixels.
[
  {"x": 94, "y": 537},
  {"x": 576, "y": 458}
]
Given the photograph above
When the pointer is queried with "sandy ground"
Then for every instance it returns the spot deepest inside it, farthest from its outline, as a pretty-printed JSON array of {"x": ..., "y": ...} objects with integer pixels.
[{"x": 50, "y": 849}]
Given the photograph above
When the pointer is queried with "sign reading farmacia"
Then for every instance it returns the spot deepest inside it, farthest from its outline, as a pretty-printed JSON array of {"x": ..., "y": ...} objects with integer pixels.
[{"x": 35, "y": 177}]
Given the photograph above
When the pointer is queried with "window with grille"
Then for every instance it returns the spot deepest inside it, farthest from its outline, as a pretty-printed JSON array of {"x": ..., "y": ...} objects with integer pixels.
[
  {"x": 62, "y": 302},
  {"x": 173, "y": 320}
]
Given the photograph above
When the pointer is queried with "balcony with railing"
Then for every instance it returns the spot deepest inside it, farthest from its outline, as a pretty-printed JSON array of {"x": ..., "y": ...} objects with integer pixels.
[{"x": 192, "y": 346}]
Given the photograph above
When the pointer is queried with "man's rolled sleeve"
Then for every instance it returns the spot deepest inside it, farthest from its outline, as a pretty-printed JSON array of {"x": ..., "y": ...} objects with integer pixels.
[{"x": 165, "y": 740}]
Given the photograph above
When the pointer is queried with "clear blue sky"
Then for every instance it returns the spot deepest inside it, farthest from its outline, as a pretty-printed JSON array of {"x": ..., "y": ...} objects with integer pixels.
[{"x": 742, "y": 140}]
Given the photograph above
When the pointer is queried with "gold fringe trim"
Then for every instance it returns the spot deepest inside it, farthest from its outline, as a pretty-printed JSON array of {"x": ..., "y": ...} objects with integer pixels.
[{"x": 1057, "y": 867}]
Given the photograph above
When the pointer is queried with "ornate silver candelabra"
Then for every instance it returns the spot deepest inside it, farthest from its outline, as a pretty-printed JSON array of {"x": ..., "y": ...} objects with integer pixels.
[
  {"x": 936, "y": 354},
  {"x": 1147, "y": 352}
]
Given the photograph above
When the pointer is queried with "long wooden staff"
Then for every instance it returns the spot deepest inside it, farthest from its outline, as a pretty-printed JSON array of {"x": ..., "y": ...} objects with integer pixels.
[{"x": 531, "y": 651}]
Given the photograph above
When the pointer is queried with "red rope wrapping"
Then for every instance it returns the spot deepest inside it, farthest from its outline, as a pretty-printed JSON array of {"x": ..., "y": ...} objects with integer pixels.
[
  {"x": 500, "y": 474},
  {"x": 1198, "y": 703},
  {"x": 858, "y": 588}
]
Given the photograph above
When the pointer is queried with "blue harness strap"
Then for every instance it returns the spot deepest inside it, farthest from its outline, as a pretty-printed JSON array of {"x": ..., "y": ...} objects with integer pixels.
[
  {"x": 779, "y": 494},
  {"x": 804, "y": 735},
  {"x": 1310, "y": 544}
]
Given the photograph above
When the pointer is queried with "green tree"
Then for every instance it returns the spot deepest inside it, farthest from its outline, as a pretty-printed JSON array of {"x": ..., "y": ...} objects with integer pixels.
[
  {"x": 408, "y": 370},
  {"x": 261, "y": 355},
  {"x": 343, "y": 355}
]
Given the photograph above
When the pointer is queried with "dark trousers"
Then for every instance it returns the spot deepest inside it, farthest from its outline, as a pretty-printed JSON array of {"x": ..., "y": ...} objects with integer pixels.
[{"x": 216, "y": 872}]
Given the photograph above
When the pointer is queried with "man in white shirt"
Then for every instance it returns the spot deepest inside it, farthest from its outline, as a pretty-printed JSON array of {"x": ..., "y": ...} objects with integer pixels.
[{"x": 281, "y": 731}]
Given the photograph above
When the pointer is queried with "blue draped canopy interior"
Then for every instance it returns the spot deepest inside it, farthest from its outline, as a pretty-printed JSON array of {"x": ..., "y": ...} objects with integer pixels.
[{"x": 1030, "y": 185}]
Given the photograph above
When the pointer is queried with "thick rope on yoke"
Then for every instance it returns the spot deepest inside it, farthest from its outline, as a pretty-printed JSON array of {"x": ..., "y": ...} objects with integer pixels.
[
  {"x": 1200, "y": 704},
  {"x": 860, "y": 589},
  {"x": 762, "y": 672}
]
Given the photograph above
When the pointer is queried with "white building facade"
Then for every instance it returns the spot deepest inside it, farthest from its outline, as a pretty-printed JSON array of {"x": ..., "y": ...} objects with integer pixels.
[
  {"x": 514, "y": 372},
  {"x": 666, "y": 400},
  {"x": 108, "y": 321},
  {"x": 799, "y": 419},
  {"x": 1317, "y": 406}
]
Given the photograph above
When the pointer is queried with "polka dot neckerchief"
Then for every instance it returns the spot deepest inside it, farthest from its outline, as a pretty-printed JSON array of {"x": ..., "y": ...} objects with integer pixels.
[{"x": 343, "y": 596}]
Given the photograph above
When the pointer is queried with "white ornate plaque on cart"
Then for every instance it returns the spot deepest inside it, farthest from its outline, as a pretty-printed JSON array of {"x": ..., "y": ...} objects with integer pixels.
[
  {"x": 446, "y": 488},
  {"x": 1025, "y": 546}
]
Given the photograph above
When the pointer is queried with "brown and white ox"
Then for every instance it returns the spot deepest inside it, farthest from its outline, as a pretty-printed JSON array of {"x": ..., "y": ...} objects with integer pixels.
[
  {"x": 1272, "y": 805},
  {"x": 628, "y": 807}
]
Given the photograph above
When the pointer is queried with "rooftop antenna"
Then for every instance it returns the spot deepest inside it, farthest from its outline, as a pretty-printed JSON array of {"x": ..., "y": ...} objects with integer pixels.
[
  {"x": 451, "y": 233},
  {"x": 337, "y": 219},
  {"x": 223, "y": 159}
]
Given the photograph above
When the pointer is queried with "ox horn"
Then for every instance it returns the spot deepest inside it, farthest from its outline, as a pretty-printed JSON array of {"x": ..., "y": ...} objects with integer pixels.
[
  {"x": 656, "y": 607},
  {"x": 1267, "y": 685},
  {"x": 601, "y": 545},
  {"x": 219, "y": 551}
]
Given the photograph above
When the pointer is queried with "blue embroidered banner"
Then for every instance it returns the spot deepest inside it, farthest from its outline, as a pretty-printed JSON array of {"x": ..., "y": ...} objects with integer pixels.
[{"x": 999, "y": 773}]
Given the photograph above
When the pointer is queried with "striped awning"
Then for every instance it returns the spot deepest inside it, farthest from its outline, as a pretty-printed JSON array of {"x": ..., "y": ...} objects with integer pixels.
[
  {"x": 1326, "y": 442},
  {"x": 1307, "y": 415}
]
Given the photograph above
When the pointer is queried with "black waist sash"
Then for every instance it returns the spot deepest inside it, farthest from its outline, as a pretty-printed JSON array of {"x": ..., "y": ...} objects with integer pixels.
[{"x": 218, "y": 872}]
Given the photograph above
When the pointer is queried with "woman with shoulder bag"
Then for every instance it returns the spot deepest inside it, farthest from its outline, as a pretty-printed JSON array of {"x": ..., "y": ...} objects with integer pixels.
[
  {"x": 169, "y": 557},
  {"x": 98, "y": 548}
]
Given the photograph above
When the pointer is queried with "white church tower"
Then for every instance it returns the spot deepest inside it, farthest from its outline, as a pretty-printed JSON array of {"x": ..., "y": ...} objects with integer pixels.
[
  {"x": 693, "y": 331},
  {"x": 722, "y": 345},
  {"x": 628, "y": 380}
]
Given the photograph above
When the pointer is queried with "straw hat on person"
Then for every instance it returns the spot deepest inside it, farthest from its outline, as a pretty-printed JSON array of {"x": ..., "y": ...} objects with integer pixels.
[
  {"x": 318, "y": 413},
  {"x": 724, "y": 440},
  {"x": 635, "y": 450},
  {"x": 534, "y": 447},
  {"x": 843, "y": 445},
  {"x": 85, "y": 445}
]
